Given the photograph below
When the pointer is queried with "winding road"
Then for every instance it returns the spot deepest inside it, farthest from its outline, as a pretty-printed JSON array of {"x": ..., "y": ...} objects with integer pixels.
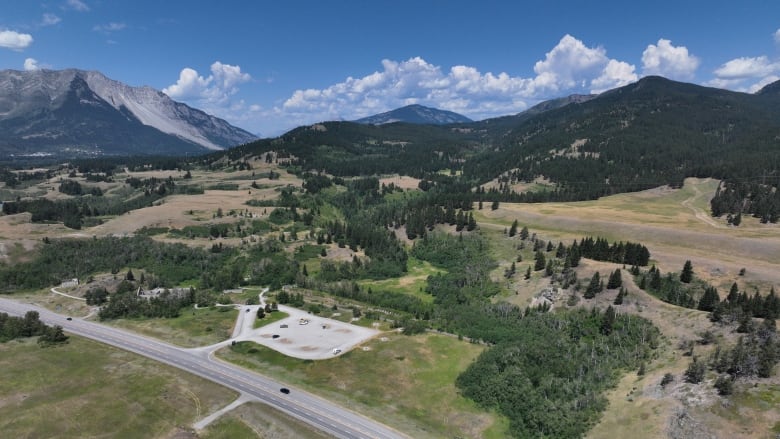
[{"x": 317, "y": 412}]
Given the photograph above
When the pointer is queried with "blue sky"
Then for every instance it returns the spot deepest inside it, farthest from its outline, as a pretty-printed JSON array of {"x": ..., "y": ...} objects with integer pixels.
[{"x": 268, "y": 66}]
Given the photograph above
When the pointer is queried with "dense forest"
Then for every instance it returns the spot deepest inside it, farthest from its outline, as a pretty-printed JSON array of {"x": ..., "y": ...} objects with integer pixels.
[{"x": 651, "y": 133}]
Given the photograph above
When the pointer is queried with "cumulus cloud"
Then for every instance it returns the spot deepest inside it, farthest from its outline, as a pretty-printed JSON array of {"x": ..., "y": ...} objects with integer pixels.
[
  {"x": 76, "y": 5},
  {"x": 14, "y": 40},
  {"x": 31, "y": 64},
  {"x": 110, "y": 27},
  {"x": 748, "y": 74},
  {"x": 615, "y": 74},
  {"x": 568, "y": 63},
  {"x": 745, "y": 67},
  {"x": 50, "y": 20},
  {"x": 211, "y": 91},
  {"x": 669, "y": 61},
  {"x": 570, "y": 66}
]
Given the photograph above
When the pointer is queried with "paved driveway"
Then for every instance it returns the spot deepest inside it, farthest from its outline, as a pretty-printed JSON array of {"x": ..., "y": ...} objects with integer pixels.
[{"x": 305, "y": 336}]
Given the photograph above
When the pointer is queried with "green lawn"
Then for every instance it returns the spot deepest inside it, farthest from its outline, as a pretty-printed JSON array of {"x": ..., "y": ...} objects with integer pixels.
[
  {"x": 254, "y": 420},
  {"x": 271, "y": 318},
  {"x": 193, "y": 328},
  {"x": 412, "y": 283},
  {"x": 86, "y": 389},
  {"x": 405, "y": 382}
]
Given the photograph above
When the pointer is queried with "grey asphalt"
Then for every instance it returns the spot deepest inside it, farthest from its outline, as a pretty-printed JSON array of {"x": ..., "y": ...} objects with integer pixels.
[{"x": 315, "y": 411}]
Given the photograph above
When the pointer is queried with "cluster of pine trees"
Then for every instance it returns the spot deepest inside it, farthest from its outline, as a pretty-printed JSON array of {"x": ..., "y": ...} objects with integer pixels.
[
  {"x": 750, "y": 197},
  {"x": 741, "y": 307}
]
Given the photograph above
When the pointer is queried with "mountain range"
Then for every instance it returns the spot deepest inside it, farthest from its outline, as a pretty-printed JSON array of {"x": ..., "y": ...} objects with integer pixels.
[
  {"x": 416, "y": 114},
  {"x": 651, "y": 133},
  {"x": 76, "y": 113}
]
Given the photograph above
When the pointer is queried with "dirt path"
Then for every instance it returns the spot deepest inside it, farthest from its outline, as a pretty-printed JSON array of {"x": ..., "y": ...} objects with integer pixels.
[{"x": 698, "y": 213}]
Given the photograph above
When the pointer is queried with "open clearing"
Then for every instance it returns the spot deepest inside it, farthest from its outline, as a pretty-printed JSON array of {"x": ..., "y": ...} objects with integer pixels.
[
  {"x": 670, "y": 222},
  {"x": 407, "y": 382},
  {"x": 254, "y": 420},
  {"x": 86, "y": 389}
]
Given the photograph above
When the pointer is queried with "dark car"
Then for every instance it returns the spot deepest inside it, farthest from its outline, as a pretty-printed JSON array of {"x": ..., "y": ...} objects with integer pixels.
[
  {"x": 69, "y": 318},
  {"x": 285, "y": 390},
  {"x": 275, "y": 336}
]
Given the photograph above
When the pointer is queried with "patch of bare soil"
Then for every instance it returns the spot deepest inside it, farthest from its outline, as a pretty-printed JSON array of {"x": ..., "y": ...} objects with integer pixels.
[{"x": 402, "y": 181}]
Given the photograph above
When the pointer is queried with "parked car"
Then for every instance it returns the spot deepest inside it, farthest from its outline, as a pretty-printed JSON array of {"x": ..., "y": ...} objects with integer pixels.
[{"x": 285, "y": 390}]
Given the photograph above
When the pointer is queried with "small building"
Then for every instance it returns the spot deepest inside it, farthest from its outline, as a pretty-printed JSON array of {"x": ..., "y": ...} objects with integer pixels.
[
  {"x": 68, "y": 283},
  {"x": 177, "y": 292}
]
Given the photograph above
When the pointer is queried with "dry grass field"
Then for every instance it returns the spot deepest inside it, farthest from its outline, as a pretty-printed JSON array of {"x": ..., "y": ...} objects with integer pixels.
[
  {"x": 175, "y": 211},
  {"x": 672, "y": 223}
]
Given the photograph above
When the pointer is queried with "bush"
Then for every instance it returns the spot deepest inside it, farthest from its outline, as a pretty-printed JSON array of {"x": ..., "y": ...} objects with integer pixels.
[
  {"x": 695, "y": 372},
  {"x": 725, "y": 385}
]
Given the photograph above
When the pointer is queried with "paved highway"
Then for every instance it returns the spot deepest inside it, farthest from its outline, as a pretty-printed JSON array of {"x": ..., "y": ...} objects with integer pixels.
[{"x": 317, "y": 412}]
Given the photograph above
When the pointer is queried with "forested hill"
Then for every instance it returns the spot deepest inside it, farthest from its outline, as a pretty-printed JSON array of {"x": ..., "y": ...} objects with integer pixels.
[
  {"x": 650, "y": 133},
  {"x": 643, "y": 135}
]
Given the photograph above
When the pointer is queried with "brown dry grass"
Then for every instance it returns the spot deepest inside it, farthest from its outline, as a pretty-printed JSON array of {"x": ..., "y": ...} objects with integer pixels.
[
  {"x": 669, "y": 222},
  {"x": 402, "y": 181},
  {"x": 176, "y": 211}
]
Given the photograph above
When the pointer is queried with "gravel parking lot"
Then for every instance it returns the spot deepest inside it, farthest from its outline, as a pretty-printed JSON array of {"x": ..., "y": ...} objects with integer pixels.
[{"x": 303, "y": 335}]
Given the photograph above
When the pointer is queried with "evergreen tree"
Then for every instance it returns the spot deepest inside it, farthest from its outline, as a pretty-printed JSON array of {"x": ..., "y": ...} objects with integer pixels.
[
  {"x": 615, "y": 280},
  {"x": 709, "y": 300},
  {"x": 541, "y": 261},
  {"x": 549, "y": 269},
  {"x": 594, "y": 286},
  {"x": 524, "y": 233},
  {"x": 513, "y": 229},
  {"x": 686, "y": 276},
  {"x": 619, "y": 298}
]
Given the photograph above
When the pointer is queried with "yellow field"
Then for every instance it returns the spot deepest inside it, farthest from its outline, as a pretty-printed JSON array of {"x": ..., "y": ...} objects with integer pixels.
[{"x": 674, "y": 224}]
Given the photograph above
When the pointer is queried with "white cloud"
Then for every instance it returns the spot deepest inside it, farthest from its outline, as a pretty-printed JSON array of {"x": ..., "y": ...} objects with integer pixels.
[
  {"x": 14, "y": 40},
  {"x": 76, "y": 5},
  {"x": 462, "y": 89},
  {"x": 110, "y": 27},
  {"x": 747, "y": 74},
  {"x": 50, "y": 20},
  {"x": 213, "y": 91},
  {"x": 669, "y": 61},
  {"x": 569, "y": 63},
  {"x": 615, "y": 74},
  {"x": 569, "y": 67},
  {"x": 31, "y": 64},
  {"x": 763, "y": 83},
  {"x": 745, "y": 67}
]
